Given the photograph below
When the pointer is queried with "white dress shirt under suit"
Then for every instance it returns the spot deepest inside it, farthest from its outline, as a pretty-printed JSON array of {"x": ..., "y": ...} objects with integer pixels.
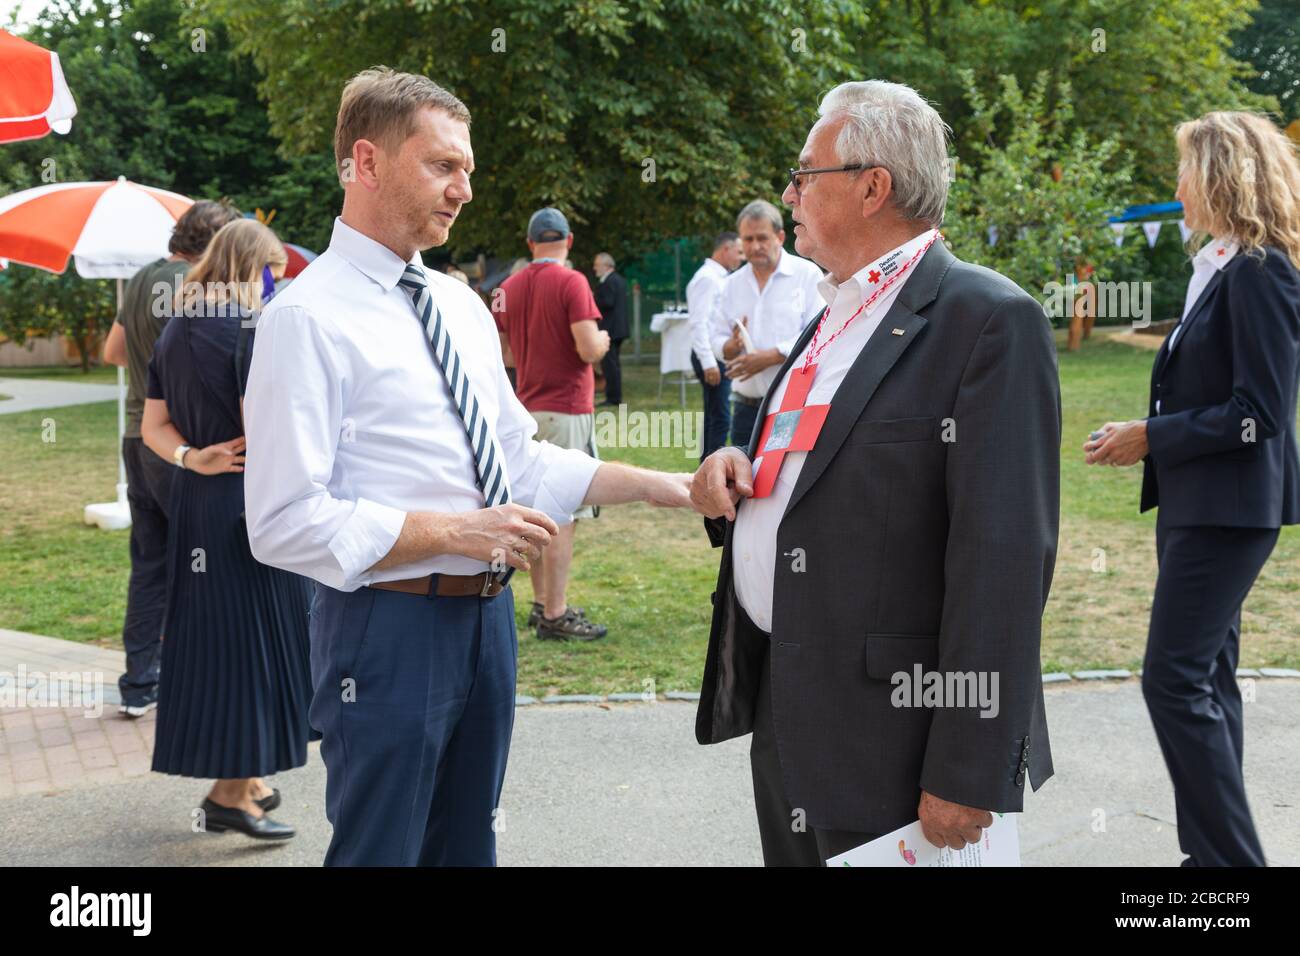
[
  {"x": 777, "y": 314},
  {"x": 757, "y": 519},
  {"x": 350, "y": 423}
]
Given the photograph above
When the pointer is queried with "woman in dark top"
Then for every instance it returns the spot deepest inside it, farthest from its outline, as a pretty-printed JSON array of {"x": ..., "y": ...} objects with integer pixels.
[
  {"x": 1220, "y": 457},
  {"x": 236, "y": 679}
]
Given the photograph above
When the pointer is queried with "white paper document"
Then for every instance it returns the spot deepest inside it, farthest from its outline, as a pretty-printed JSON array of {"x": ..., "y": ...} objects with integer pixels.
[
  {"x": 907, "y": 846},
  {"x": 745, "y": 340}
]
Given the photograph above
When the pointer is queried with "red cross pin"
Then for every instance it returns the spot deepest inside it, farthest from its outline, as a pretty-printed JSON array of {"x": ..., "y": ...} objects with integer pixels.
[{"x": 873, "y": 276}]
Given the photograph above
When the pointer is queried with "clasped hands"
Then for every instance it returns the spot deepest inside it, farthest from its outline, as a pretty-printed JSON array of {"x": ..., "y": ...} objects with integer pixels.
[{"x": 741, "y": 364}]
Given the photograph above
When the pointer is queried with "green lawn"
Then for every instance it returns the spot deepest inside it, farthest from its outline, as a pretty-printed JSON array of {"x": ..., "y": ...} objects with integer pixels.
[{"x": 644, "y": 572}]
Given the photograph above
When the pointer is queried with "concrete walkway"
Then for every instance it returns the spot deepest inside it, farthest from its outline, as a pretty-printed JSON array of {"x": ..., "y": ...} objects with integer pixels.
[
  {"x": 618, "y": 784},
  {"x": 32, "y": 393}
]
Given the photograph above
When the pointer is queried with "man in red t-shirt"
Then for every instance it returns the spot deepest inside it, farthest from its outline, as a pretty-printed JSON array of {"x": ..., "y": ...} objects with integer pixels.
[{"x": 549, "y": 316}]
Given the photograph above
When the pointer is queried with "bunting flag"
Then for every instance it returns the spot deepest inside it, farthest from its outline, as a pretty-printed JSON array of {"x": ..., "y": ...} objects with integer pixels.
[
  {"x": 1119, "y": 228},
  {"x": 1152, "y": 230},
  {"x": 1183, "y": 230}
]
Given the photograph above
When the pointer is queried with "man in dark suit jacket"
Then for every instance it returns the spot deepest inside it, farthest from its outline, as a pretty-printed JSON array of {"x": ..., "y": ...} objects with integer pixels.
[
  {"x": 611, "y": 299},
  {"x": 919, "y": 534}
]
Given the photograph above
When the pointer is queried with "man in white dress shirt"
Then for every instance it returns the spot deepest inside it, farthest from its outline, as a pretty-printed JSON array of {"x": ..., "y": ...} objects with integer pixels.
[
  {"x": 368, "y": 376},
  {"x": 774, "y": 295},
  {"x": 702, "y": 294}
]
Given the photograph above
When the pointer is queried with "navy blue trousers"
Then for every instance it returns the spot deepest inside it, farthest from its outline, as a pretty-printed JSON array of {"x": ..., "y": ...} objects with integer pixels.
[
  {"x": 717, "y": 408},
  {"x": 1189, "y": 680},
  {"x": 743, "y": 418},
  {"x": 415, "y": 699}
]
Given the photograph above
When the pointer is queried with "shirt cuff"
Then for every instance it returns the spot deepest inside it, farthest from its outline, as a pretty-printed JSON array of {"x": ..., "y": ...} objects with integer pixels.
[
  {"x": 368, "y": 534},
  {"x": 787, "y": 346},
  {"x": 564, "y": 483}
]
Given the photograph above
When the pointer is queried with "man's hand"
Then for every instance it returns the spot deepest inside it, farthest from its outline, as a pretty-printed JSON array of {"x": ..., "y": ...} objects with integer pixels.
[
  {"x": 735, "y": 345},
  {"x": 510, "y": 533},
  {"x": 1118, "y": 443},
  {"x": 721, "y": 480},
  {"x": 712, "y": 376},
  {"x": 950, "y": 824},
  {"x": 743, "y": 366}
]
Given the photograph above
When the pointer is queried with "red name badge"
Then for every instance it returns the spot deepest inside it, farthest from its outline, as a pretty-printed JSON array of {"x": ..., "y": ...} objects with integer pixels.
[{"x": 793, "y": 427}]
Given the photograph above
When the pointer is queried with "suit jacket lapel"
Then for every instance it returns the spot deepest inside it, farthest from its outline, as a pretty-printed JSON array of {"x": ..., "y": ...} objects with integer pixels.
[
  {"x": 1198, "y": 307},
  {"x": 873, "y": 363}
]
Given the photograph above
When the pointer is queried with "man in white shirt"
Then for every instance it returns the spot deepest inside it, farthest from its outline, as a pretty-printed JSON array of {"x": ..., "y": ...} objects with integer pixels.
[
  {"x": 702, "y": 295},
  {"x": 773, "y": 295},
  {"x": 369, "y": 375}
]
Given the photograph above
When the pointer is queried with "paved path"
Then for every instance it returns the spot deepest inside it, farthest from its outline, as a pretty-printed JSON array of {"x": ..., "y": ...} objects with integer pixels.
[
  {"x": 31, "y": 393},
  {"x": 622, "y": 784}
]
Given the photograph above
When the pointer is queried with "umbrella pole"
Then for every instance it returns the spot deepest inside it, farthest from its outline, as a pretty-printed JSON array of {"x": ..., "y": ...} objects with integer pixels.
[{"x": 121, "y": 417}]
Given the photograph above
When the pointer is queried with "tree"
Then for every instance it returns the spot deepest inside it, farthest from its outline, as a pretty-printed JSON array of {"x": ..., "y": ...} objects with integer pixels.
[
  {"x": 1271, "y": 44},
  {"x": 641, "y": 119},
  {"x": 1044, "y": 185}
]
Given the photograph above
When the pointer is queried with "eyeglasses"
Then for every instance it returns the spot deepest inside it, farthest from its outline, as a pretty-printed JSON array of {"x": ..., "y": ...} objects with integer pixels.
[{"x": 796, "y": 173}]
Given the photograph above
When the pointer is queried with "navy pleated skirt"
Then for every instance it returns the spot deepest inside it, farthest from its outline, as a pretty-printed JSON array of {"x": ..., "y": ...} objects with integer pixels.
[{"x": 236, "y": 673}]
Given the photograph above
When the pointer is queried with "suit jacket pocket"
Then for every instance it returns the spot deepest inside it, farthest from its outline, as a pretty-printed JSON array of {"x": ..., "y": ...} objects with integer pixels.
[
  {"x": 892, "y": 430},
  {"x": 888, "y": 654}
]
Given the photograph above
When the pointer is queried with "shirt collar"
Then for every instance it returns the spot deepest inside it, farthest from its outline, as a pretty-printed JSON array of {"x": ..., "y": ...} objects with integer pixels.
[
  {"x": 713, "y": 265},
  {"x": 373, "y": 259},
  {"x": 861, "y": 280},
  {"x": 1218, "y": 252}
]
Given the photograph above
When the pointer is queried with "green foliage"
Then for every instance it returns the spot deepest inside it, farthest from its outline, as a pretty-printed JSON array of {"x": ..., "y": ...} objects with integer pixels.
[
  {"x": 572, "y": 101},
  {"x": 1271, "y": 43},
  {"x": 1040, "y": 181}
]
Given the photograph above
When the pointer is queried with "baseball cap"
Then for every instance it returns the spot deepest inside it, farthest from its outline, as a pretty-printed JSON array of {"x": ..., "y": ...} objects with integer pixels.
[{"x": 548, "y": 225}]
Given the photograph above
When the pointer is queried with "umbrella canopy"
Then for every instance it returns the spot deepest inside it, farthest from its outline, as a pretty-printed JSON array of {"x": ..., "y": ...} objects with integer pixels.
[
  {"x": 298, "y": 259},
  {"x": 34, "y": 97},
  {"x": 113, "y": 228}
]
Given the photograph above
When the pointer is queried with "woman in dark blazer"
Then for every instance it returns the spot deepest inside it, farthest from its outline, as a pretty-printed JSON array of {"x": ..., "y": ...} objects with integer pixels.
[{"x": 1220, "y": 460}]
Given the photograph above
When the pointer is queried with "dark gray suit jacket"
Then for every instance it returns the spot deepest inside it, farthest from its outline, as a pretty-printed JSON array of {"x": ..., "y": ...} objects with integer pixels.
[{"x": 918, "y": 549}]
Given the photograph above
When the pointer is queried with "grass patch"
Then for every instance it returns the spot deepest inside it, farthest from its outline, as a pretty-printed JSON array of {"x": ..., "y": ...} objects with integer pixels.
[{"x": 644, "y": 572}]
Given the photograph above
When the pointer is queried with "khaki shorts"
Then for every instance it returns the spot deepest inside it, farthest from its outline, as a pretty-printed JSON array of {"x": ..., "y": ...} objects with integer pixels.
[{"x": 569, "y": 431}]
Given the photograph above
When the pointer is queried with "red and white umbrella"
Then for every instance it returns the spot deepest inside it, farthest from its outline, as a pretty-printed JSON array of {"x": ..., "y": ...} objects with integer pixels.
[
  {"x": 113, "y": 228},
  {"x": 298, "y": 259},
  {"x": 34, "y": 96}
]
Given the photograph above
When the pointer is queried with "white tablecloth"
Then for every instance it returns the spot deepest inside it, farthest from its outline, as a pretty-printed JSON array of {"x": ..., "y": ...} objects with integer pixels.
[{"x": 674, "y": 329}]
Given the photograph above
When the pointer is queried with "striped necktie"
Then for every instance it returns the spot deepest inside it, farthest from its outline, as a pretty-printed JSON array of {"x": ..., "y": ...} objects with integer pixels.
[{"x": 488, "y": 460}]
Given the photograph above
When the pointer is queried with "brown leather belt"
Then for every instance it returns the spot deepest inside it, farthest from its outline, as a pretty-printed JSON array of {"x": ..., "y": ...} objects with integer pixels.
[
  {"x": 746, "y": 400},
  {"x": 449, "y": 585}
]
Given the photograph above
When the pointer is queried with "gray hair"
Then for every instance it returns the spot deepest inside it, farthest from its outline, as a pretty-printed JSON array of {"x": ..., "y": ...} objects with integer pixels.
[
  {"x": 605, "y": 259},
  {"x": 891, "y": 125},
  {"x": 762, "y": 209}
]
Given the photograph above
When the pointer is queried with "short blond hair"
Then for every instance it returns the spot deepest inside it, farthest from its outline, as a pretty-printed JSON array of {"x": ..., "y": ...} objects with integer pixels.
[
  {"x": 380, "y": 104},
  {"x": 1245, "y": 173},
  {"x": 230, "y": 271}
]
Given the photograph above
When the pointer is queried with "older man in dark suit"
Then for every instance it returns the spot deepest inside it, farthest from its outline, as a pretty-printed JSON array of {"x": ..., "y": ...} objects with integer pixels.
[
  {"x": 611, "y": 299},
  {"x": 889, "y": 535}
]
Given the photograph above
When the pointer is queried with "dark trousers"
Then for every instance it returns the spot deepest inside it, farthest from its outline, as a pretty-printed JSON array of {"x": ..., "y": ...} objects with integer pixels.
[
  {"x": 415, "y": 699},
  {"x": 786, "y": 837},
  {"x": 148, "y": 491},
  {"x": 743, "y": 417},
  {"x": 613, "y": 372},
  {"x": 1189, "y": 681},
  {"x": 717, "y": 408}
]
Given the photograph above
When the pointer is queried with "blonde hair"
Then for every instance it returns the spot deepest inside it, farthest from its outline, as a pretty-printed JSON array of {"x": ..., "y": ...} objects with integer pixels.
[
  {"x": 1245, "y": 173},
  {"x": 231, "y": 269},
  {"x": 381, "y": 105}
]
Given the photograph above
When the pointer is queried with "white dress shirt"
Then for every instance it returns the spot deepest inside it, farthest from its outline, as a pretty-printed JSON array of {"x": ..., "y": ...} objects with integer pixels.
[
  {"x": 753, "y": 543},
  {"x": 350, "y": 423},
  {"x": 777, "y": 314},
  {"x": 702, "y": 295},
  {"x": 1211, "y": 258}
]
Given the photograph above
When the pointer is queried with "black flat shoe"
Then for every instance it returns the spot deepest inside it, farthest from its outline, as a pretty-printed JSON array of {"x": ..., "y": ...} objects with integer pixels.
[
  {"x": 269, "y": 802},
  {"x": 218, "y": 819}
]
